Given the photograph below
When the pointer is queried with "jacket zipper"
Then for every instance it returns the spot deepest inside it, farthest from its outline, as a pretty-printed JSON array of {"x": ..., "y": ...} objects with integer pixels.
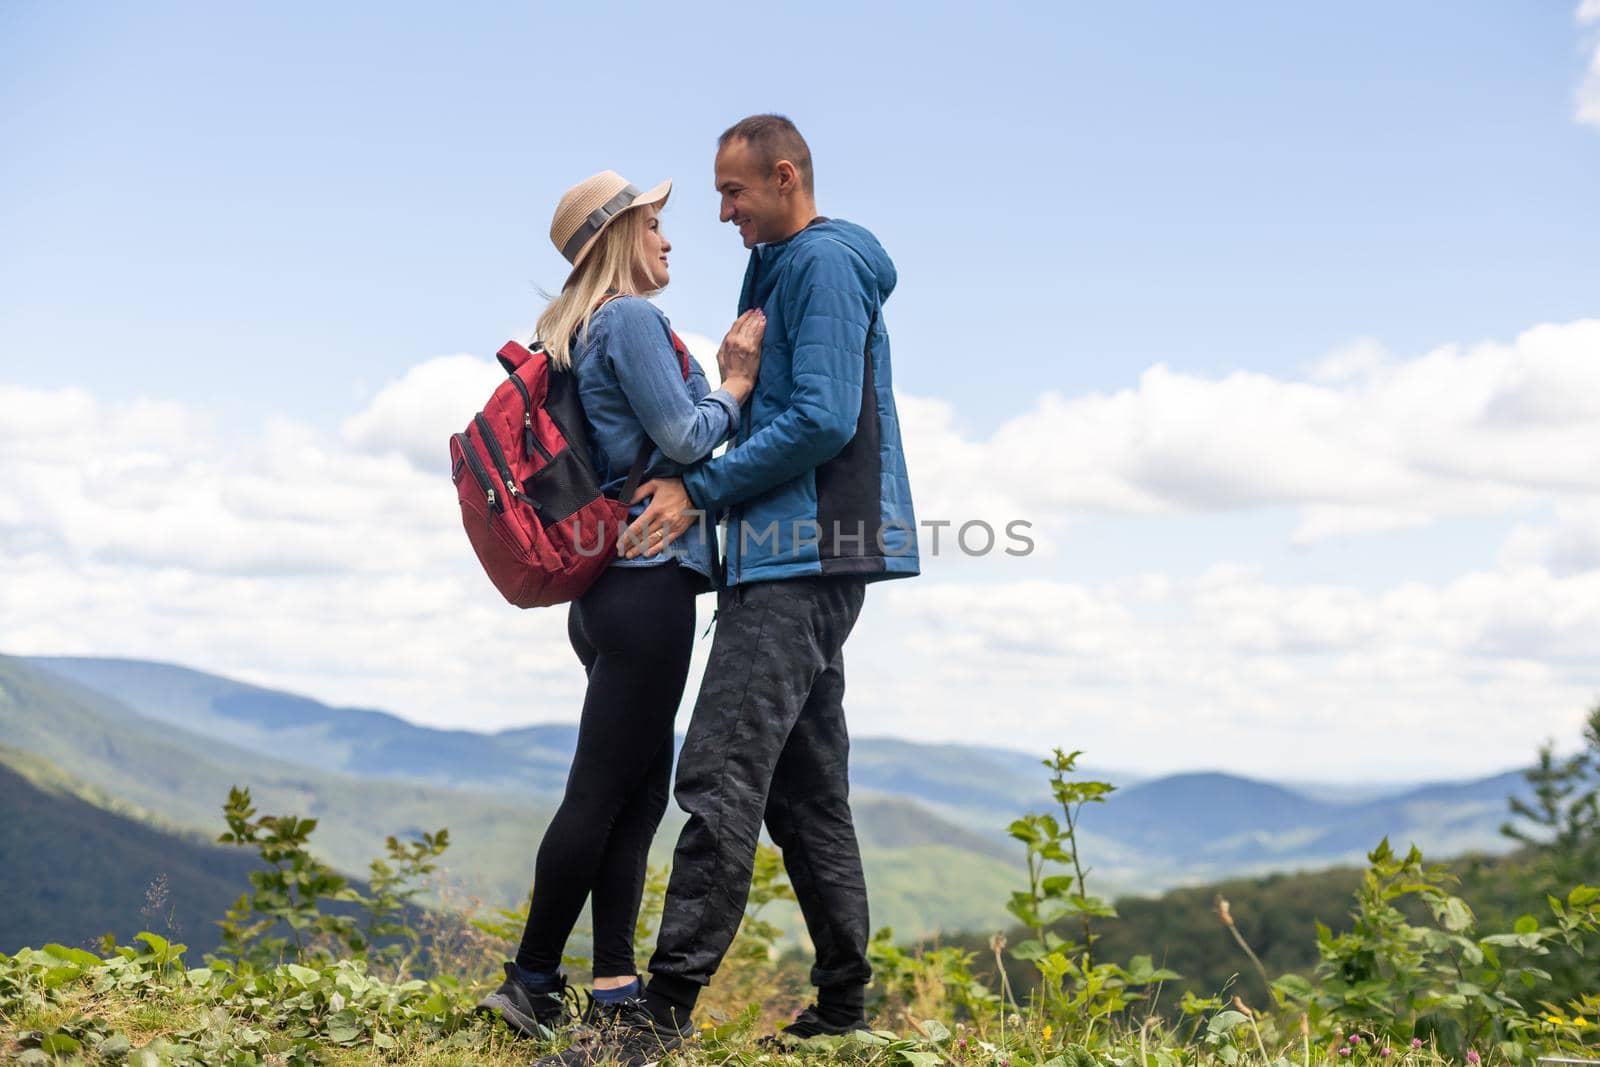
[
  {"x": 735, "y": 550},
  {"x": 530, "y": 443},
  {"x": 480, "y": 475}
]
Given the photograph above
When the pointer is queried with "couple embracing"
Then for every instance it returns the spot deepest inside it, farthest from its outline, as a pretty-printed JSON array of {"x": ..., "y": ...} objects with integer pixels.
[{"x": 813, "y": 493}]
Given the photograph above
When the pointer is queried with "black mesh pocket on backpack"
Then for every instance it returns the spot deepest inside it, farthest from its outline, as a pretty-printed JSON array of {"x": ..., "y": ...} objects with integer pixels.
[{"x": 560, "y": 487}]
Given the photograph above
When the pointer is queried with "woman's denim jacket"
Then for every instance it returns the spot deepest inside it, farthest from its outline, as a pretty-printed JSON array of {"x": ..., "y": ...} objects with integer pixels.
[{"x": 631, "y": 385}]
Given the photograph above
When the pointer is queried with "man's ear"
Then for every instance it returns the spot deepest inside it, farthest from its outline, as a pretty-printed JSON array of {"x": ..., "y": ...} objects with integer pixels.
[{"x": 788, "y": 177}]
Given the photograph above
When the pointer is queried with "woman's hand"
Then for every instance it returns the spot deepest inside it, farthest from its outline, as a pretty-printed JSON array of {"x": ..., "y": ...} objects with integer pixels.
[{"x": 739, "y": 358}]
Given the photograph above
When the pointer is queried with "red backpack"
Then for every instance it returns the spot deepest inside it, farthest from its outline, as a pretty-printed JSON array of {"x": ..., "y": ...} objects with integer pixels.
[{"x": 530, "y": 499}]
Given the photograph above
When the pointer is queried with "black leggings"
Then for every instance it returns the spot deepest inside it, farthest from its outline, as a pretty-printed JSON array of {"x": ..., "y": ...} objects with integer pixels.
[{"x": 633, "y": 630}]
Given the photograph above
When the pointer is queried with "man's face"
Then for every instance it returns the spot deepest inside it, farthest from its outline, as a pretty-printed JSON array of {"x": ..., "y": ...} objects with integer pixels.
[{"x": 751, "y": 199}]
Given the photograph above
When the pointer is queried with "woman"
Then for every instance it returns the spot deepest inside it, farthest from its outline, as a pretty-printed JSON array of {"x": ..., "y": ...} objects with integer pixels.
[{"x": 633, "y": 629}]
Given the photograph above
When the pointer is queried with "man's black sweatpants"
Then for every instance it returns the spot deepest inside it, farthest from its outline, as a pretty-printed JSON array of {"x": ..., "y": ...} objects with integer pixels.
[{"x": 768, "y": 741}]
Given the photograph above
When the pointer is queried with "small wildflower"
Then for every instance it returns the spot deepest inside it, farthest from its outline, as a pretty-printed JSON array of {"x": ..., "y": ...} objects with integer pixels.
[
  {"x": 1416, "y": 1042},
  {"x": 1047, "y": 1031},
  {"x": 1344, "y": 1050},
  {"x": 962, "y": 1044},
  {"x": 1385, "y": 1051},
  {"x": 1473, "y": 1057},
  {"x": 1014, "y": 1020},
  {"x": 1355, "y": 1039},
  {"x": 1579, "y": 1021}
]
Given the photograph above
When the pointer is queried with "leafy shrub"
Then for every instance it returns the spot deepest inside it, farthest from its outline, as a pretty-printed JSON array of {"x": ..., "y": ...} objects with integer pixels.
[{"x": 317, "y": 970}]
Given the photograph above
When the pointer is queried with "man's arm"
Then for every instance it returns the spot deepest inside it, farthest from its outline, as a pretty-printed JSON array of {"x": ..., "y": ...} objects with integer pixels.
[{"x": 832, "y": 316}]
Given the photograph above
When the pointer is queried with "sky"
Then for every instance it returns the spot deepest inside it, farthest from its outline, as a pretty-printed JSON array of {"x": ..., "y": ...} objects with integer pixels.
[{"x": 1278, "y": 324}]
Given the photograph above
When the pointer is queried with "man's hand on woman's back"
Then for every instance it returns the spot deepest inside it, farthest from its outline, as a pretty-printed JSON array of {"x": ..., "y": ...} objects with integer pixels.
[{"x": 670, "y": 513}]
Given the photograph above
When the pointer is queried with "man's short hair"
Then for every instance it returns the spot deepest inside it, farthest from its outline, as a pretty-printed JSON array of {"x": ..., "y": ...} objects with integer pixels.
[{"x": 773, "y": 137}]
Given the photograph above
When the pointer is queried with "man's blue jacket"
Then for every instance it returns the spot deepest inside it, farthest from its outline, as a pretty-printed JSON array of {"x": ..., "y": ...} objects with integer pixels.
[{"x": 815, "y": 483}]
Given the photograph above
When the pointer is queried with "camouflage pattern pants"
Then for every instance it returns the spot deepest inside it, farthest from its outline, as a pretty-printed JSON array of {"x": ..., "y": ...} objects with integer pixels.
[{"x": 768, "y": 741}]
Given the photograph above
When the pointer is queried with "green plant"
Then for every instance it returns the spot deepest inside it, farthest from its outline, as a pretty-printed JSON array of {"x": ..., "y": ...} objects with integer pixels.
[
  {"x": 392, "y": 886},
  {"x": 1441, "y": 981},
  {"x": 1417, "y": 979},
  {"x": 287, "y": 891},
  {"x": 928, "y": 982},
  {"x": 290, "y": 889},
  {"x": 1563, "y": 821},
  {"x": 1072, "y": 988}
]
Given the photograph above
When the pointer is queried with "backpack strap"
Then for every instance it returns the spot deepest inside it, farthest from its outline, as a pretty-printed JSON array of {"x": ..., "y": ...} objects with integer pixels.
[
  {"x": 636, "y": 472},
  {"x": 683, "y": 353}
]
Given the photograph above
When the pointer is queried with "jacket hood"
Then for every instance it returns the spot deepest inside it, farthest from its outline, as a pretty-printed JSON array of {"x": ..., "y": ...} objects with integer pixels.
[{"x": 762, "y": 273}]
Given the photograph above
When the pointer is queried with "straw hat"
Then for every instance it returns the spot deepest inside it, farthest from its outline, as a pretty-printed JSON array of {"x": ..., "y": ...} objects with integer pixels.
[{"x": 587, "y": 209}]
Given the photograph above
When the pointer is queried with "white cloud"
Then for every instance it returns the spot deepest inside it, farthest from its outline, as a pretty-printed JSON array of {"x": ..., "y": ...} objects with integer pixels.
[
  {"x": 1357, "y": 360},
  {"x": 416, "y": 415},
  {"x": 334, "y": 564},
  {"x": 1569, "y": 545},
  {"x": 1371, "y": 443},
  {"x": 291, "y": 557},
  {"x": 1374, "y": 444},
  {"x": 1229, "y": 669}
]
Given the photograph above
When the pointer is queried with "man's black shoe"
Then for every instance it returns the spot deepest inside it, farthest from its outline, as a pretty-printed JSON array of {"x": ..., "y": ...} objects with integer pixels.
[
  {"x": 530, "y": 1012},
  {"x": 810, "y": 1023},
  {"x": 630, "y": 1037}
]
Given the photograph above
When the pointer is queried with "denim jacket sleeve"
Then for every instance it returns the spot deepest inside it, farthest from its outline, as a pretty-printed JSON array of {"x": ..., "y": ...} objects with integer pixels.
[
  {"x": 698, "y": 387},
  {"x": 638, "y": 344}
]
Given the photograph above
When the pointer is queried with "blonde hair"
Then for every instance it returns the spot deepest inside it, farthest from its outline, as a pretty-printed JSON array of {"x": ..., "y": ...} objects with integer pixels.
[{"x": 610, "y": 265}]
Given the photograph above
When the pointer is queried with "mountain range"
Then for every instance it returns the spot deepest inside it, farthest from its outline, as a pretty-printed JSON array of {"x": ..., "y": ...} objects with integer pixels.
[{"x": 159, "y": 745}]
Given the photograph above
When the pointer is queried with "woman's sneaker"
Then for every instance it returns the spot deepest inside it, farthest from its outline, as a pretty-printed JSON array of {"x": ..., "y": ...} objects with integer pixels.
[{"x": 530, "y": 1011}]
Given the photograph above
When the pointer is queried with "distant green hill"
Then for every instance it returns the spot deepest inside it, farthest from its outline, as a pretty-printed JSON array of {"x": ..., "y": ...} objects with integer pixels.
[
  {"x": 357, "y": 741},
  {"x": 1156, "y": 833},
  {"x": 978, "y": 785},
  {"x": 75, "y": 870},
  {"x": 177, "y": 780}
]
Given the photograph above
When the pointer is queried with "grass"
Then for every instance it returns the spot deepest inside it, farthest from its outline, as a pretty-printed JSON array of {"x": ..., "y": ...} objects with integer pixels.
[{"x": 161, "y": 1028}]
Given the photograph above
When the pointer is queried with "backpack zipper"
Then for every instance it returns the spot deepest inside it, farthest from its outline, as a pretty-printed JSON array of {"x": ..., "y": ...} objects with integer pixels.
[
  {"x": 513, "y": 490},
  {"x": 480, "y": 475},
  {"x": 530, "y": 443},
  {"x": 495, "y": 454}
]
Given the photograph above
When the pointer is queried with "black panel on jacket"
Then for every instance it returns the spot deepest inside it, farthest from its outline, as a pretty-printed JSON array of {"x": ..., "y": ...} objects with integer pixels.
[{"x": 849, "y": 487}]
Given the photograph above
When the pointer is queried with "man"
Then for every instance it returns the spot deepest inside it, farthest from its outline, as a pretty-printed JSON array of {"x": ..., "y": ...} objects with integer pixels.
[{"x": 817, "y": 504}]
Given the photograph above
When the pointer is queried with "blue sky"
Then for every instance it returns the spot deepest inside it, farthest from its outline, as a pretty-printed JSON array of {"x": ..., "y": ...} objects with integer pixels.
[
  {"x": 1072, "y": 191},
  {"x": 268, "y": 215}
]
